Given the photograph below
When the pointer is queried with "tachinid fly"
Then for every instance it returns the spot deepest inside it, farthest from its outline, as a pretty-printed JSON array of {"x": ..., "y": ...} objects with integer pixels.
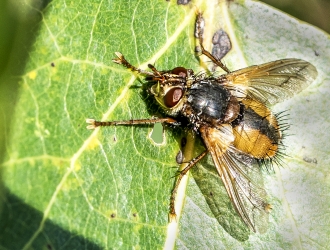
[{"x": 229, "y": 112}]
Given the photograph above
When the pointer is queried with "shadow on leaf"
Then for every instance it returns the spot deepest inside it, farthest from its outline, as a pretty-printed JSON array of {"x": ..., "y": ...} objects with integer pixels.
[{"x": 20, "y": 221}]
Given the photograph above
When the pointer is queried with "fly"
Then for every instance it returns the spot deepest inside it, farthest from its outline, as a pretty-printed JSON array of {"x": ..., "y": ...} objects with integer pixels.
[{"x": 230, "y": 114}]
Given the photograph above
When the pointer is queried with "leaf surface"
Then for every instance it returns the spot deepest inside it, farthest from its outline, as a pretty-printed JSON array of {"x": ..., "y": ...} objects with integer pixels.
[{"x": 68, "y": 187}]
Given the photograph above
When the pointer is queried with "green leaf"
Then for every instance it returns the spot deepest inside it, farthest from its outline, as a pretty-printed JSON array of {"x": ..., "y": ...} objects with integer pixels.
[
  {"x": 298, "y": 191},
  {"x": 68, "y": 187}
]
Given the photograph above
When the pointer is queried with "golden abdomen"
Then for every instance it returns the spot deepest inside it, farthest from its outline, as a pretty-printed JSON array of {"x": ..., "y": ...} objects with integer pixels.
[{"x": 257, "y": 133}]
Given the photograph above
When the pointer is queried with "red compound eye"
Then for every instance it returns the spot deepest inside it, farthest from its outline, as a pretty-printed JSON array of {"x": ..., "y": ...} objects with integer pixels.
[
  {"x": 180, "y": 71},
  {"x": 172, "y": 97}
]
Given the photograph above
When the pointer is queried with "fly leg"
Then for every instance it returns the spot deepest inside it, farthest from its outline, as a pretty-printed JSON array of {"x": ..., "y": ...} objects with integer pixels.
[
  {"x": 122, "y": 60},
  {"x": 199, "y": 29},
  {"x": 182, "y": 173},
  {"x": 94, "y": 124}
]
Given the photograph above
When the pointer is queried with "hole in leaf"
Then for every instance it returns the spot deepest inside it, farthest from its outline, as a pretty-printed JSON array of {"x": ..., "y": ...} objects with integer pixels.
[{"x": 157, "y": 133}]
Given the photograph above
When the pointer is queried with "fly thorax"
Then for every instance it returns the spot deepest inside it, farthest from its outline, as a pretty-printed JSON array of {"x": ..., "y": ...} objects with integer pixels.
[{"x": 212, "y": 103}]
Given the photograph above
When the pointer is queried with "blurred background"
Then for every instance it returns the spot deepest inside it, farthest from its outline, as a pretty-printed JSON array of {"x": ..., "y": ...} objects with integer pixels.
[
  {"x": 316, "y": 12},
  {"x": 18, "y": 27}
]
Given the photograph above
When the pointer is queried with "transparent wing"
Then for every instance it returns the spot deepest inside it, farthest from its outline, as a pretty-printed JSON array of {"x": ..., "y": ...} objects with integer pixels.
[
  {"x": 242, "y": 180},
  {"x": 216, "y": 197},
  {"x": 272, "y": 82}
]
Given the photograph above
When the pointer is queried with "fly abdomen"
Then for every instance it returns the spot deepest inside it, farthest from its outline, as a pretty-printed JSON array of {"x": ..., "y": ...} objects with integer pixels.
[{"x": 257, "y": 133}]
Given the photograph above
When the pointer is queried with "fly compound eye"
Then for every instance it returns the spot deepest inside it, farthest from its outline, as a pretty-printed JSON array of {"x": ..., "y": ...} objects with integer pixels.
[
  {"x": 172, "y": 97},
  {"x": 180, "y": 71}
]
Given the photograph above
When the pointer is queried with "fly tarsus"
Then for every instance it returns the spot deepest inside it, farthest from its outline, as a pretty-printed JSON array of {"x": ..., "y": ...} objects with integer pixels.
[
  {"x": 181, "y": 174},
  {"x": 122, "y": 60}
]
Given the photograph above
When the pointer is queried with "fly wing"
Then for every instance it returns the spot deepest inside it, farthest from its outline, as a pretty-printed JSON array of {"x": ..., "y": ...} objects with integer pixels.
[
  {"x": 242, "y": 179},
  {"x": 271, "y": 82}
]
